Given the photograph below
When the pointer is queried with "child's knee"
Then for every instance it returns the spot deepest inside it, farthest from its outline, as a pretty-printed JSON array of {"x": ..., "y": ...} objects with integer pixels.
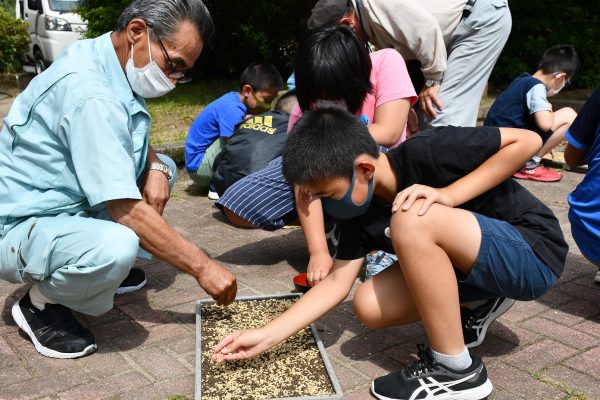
[
  {"x": 366, "y": 308},
  {"x": 408, "y": 226},
  {"x": 567, "y": 115}
]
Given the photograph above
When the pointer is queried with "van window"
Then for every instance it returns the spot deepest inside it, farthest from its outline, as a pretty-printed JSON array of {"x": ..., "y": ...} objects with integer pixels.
[
  {"x": 63, "y": 5},
  {"x": 32, "y": 4}
]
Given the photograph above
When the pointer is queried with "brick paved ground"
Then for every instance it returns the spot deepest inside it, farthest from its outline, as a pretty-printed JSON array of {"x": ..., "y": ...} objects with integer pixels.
[{"x": 544, "y": 349}]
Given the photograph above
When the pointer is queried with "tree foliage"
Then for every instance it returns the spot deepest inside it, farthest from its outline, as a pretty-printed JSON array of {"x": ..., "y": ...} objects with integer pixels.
[
  {"x": 539, "y": 24},
  {"x": 270, "y": 30},
  {"x": 14, "y": 40}
]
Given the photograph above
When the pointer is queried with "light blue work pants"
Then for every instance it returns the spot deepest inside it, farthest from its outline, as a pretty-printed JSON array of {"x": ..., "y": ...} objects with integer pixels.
[{"x": 79, "y": 260}]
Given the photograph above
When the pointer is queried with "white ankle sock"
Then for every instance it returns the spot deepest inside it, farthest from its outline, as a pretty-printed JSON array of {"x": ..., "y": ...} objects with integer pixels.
[
  {"x": 457, "y": 362},
  {"x": 37, "y": 298}
]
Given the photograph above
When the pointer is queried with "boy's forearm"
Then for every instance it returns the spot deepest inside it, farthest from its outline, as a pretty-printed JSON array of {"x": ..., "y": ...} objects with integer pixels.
[
  {"x": 310, "y": 214},
  {"x": 516, "y": 147},
  {"x": 316, "y": 302}
]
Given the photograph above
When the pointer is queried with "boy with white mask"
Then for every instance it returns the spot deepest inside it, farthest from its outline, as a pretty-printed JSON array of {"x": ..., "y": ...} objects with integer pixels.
[
  {"x": 524, "y": 104},
  {"x": 84, "y": 190}
]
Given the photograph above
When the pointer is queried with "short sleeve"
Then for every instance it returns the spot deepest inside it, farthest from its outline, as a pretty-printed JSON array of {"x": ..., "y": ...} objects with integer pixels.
[
  {"x": 392, "y": 79},
  {"x": 229, "y": 117},
  {"x": 537, "y": 100},
  {"x": 582, "y": 133},
  {"x": 96, "y": 132},
  {"x": 440, "y": 156}
]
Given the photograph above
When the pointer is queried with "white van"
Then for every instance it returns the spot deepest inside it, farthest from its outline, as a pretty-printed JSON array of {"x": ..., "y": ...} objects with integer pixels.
[{"x": 52, "y": 26}]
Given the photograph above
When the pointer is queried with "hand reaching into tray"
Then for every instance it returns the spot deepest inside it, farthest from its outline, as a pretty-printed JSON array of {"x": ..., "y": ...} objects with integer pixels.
[{"x": 244, "y": 344}]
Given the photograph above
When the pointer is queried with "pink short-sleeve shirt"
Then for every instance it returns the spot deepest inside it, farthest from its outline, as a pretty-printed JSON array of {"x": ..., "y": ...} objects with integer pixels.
[{"x": 390, "y": 81}]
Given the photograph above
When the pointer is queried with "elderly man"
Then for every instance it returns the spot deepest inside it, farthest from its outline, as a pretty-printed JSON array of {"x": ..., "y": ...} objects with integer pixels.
[
  {"x": 81, "y": 189},
  {"x": 457, "y": 43}
]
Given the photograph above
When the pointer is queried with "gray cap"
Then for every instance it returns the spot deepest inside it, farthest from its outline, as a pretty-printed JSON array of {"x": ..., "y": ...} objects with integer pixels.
[{"x": 327, "y": 13}]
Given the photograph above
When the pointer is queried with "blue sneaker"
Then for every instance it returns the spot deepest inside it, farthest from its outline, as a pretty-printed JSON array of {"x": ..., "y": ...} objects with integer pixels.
[{"x": 378, "y": 261}]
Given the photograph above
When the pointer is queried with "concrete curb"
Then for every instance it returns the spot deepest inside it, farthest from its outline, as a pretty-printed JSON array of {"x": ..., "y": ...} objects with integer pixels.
[{"x": 173, "y": 150}]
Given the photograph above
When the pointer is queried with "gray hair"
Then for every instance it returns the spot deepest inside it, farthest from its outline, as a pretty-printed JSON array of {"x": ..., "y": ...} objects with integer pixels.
[{"x": 164, "y": 15}]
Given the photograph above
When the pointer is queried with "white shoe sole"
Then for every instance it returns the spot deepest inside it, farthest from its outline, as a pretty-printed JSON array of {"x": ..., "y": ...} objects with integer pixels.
[
  {"x": 19, "y": 318},
  {"x": 129, "y": 289},
  {"x": 507, "y": 303},
  {"x": 478, "y": 393},
  {"x": 597, "y": 277},
  {"x": 213, "y": 196}
]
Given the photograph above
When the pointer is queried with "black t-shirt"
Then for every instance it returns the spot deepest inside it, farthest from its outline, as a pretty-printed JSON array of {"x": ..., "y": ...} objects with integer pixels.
[
  {"x": 255, "y": 142},
  {"x": 439, "y": 157}
]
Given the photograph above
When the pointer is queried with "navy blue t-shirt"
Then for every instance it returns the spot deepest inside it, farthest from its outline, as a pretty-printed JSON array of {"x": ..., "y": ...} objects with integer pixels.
[{"x": 515, "y": 106}]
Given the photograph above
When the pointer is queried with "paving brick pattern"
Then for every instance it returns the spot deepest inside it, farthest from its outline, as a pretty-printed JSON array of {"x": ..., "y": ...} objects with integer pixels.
[{"x": 544, "y": 349}]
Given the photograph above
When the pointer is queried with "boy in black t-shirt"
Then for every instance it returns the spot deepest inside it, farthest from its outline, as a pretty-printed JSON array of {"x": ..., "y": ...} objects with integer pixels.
[{"x": 461, "y": 228}]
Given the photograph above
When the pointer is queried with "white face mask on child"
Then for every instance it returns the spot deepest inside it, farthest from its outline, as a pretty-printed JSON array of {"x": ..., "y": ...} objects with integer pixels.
[
  {"x": 149, "y": 81},
  {"x": 554, "y": 91}
]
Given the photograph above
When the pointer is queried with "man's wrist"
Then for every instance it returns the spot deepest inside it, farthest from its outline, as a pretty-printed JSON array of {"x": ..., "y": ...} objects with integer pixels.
[
  {"x": 159, "y": 166},
  {"x": 432, "y": 82}
]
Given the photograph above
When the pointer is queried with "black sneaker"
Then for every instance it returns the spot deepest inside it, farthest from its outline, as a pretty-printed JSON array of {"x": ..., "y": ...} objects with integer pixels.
[
  {"x": 134, "y": 281},
  {"x": 428, "y": 379},
  {"x": 54, "y": 331},
  {"x": 475, "y": 321}
]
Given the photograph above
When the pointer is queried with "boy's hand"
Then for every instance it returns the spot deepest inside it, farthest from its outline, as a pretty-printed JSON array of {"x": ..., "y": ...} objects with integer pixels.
[
  {"x": 318, "y": 267},
  {"x": 240, "y": 345},
  {"x": 406, "y": 198}
]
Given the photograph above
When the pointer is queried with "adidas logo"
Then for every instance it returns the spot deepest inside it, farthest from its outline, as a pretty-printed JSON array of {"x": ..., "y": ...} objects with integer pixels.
[{"x": 261, "y": 124}]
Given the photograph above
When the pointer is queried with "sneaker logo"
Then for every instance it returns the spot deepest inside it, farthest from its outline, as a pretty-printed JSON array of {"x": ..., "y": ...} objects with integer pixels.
[{"x": 434, "y": 388}]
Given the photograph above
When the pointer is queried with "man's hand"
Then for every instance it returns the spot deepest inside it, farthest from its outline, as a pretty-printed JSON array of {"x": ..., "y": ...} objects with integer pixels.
[
  {"x": 219, "y": 283},
  {"x": 318, "y": 267},
  {"x": 155, "y": 190},
  {"x": 428, "y": 98}
]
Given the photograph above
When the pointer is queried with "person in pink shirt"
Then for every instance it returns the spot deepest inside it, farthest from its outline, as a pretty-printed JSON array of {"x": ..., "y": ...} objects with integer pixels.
[{"x": 332, "y": 67}]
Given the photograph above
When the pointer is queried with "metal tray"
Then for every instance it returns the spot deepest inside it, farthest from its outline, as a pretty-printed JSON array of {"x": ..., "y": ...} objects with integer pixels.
[{"x": 334, "y": 382}]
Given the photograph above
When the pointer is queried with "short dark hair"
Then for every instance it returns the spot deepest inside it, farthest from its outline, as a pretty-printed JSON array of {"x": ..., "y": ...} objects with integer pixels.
[
  {"x": 333, "y": 64},
  {"x": 559, "y": 58},
  {"x": 261, "y": 76},
  {"x": 324, "y": 144},
  {"x": 164, "y": 15},
  {"x": 286, "y": 101}
]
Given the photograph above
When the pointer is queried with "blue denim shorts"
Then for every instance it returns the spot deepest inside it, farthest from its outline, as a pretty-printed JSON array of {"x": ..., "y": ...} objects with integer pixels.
[{"x": 506, "y": 266}]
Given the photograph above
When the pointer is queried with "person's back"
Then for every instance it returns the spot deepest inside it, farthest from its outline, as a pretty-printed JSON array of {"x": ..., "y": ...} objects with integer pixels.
[
  {"x": 258, "y": 86},
  {"x": 524, "y": 104},
  {"x": 256, "y": 142},
  {"x": 584, "y": 148}
]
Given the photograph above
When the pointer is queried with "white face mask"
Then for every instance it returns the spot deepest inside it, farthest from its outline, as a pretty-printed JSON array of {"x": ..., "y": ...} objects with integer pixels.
[
  {"x": 149, "y": 81},
  {"x": 554, "y": 91}
]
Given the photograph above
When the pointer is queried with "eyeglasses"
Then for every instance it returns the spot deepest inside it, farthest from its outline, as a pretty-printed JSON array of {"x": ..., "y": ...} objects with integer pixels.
[{"x": 173, "y": 72}]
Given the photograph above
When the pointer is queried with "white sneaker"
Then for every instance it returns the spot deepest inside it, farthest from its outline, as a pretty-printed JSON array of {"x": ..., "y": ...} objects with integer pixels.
[
  {"x": 213, "y": 195},
  {"x": 597, "y": 278}
]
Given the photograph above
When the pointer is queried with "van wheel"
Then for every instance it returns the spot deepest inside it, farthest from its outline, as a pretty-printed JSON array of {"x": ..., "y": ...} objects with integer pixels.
[{"x": 40, "y": 64}]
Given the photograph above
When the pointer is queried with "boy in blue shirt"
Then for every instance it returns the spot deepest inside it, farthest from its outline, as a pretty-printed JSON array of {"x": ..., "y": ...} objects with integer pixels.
[
  {"x": 444, "y": 204},
  {"x": 524, "y": 104},
  {"x": 259, "y": 85},
  {"x": 584, "y": 148}
]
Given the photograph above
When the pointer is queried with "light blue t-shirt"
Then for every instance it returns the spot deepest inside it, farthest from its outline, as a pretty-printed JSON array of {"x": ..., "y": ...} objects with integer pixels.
[
  {"x": 218, "y": 119},
  {"x": 75, "y": 138}
]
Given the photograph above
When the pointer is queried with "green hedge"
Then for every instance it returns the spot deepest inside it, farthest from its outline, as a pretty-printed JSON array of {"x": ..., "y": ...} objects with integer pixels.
[
  {"x": 270, "y": 29},
  {"x": 539, "y": 24},
  {"x": 246, "y": 32},
  {"x": 14, "y": 40}
]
